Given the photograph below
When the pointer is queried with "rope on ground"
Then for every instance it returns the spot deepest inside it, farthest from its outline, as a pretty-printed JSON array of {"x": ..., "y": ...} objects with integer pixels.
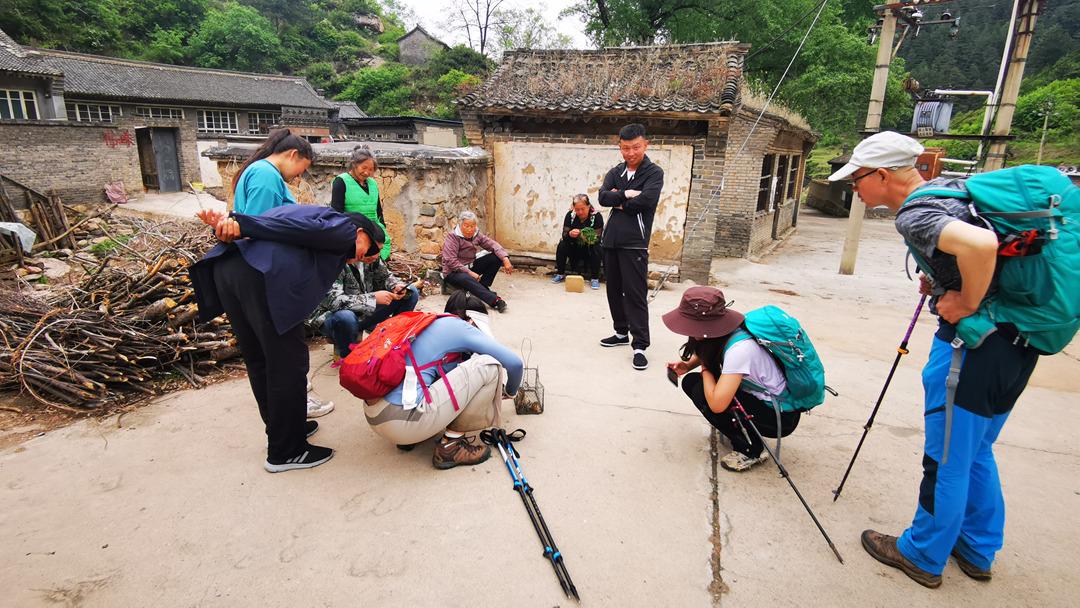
[{"x": 723, "y": 179}]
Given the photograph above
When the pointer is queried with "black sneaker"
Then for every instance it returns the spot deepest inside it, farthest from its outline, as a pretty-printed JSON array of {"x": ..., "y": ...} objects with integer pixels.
[
  {"x": 640, "y": 361},
  {"x": 310, "y": 426},
  {"x": 615, "y": 341},
  {"x": 312, "y": 456},
  {"x": 499, "y": 305}
]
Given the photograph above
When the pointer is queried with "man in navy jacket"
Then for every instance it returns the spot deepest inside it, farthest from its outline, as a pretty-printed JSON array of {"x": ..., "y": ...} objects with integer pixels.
[
  {"x": 631, "y": 189},
  {"x": 268, "y": 273}
]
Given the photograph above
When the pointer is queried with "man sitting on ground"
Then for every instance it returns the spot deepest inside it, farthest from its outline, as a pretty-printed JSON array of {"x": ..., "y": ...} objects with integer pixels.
[
  {"x": 463, "y": 269},
  {"x": 364, "y": 295},
  {"x": 582, "y": 229}
]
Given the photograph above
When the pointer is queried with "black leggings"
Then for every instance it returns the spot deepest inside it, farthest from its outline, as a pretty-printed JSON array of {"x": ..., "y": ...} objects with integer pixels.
[{"x": 762, "y": 414}]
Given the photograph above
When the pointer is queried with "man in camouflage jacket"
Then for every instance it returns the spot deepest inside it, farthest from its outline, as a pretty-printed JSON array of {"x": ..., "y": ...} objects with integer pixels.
[{"x": 364, "y": 295}]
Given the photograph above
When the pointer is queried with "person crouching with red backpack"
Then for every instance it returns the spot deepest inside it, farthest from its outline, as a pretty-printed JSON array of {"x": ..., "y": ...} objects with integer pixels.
[{"x": 456, "y": 391}]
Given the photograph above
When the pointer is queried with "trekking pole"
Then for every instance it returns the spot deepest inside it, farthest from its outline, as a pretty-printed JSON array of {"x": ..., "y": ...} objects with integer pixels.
[
  {"x": 556, "y": 555},
  {"x": 784, "y": 473},
  {"x": 900, "y": 352},
  {"x": 493, "y": 437}
]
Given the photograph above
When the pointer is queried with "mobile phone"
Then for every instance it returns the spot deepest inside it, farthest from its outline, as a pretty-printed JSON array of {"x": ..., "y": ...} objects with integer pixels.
[{"x": 673, "y": 376}]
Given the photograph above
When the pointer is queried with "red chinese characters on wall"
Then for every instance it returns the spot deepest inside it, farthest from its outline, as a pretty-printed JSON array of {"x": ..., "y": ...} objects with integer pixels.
[{"x": 119, "y": 138}]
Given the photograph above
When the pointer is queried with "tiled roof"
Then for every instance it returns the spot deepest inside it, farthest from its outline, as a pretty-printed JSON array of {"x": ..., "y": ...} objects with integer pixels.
[
  {"x": 15, "y": 58},
  {"x": 425, "y": 33},
  {"x": 684, "y": 78},
  {"x": 348, "y": 109},
  {"x": 109, "y": 78}
]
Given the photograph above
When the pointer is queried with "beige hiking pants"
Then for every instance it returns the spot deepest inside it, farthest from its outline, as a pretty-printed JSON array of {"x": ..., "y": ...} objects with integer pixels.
[{"x": 476, "y": 387}]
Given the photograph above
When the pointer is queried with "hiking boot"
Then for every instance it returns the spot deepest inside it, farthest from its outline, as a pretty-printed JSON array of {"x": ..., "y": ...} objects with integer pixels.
[
  {"x": 311, "y": 456},
  {"x": 971, "y": 569},
  {"x": 310, "y": 427},
  {"x": 882, "y": 547},
  {"x": 595, "y": 283},
  {"x": 615, "y": 341},
  {"x": 559, "y": 278},
  {"x": 738, "y": 462},
  {"x": 317, "y": 407},
  {"x": 640, "y": 360},
  {"x": 499, "y": 305},
  {"x": 450, "y": 453}
]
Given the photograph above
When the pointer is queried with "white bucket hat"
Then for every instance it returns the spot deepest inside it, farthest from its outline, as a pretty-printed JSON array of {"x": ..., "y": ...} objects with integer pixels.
[{"x": 885, "y": 150}]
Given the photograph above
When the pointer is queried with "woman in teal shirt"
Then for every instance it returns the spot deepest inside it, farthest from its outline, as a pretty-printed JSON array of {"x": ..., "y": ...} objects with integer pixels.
[
  {"x": 356, "y": 191},
  {"x": 260, "y": 184}
]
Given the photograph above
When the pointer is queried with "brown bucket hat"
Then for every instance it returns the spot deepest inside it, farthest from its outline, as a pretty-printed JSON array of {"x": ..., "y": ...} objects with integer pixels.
[{"x": 703, "y": 313}]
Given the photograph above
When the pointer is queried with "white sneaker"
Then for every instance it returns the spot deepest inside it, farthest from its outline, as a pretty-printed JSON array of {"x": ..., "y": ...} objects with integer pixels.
[
  {"x": 316, "y": 407},
  {"x": 737, "y": 461}
]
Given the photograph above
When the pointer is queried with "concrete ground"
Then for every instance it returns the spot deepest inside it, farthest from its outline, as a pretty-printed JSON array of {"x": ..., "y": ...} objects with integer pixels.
[
  {"x": 169, "y": 505},
  {"x": 171, "y": 204}
]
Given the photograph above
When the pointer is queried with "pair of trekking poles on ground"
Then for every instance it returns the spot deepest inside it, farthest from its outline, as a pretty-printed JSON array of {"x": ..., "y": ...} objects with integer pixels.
[
  {"x": 505, "y": 443},
  {"x": 744, "y": 420}
]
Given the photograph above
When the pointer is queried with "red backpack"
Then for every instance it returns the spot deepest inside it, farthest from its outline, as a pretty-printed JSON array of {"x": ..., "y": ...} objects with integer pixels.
[{"x": 376, "y": 365}]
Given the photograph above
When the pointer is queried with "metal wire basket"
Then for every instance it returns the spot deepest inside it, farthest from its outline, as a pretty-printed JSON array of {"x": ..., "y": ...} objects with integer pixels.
[{"x": 530, "y": 397}]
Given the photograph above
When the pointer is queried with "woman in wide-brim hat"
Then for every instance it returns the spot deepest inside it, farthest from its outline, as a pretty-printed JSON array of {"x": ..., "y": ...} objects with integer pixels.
[{"x": 718, "y": 343}]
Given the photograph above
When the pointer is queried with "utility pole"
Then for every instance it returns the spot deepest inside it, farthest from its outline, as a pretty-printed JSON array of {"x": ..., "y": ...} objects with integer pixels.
[
  {"x": 873, "y": 124},
  {"x": 1025, "y": 27}
]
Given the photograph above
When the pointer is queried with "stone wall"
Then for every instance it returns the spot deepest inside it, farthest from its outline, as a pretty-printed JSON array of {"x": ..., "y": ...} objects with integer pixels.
[{"x": 422, "y": 189}]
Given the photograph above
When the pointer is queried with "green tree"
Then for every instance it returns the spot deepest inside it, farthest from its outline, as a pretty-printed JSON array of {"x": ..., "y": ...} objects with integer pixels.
[
  {"x": 460, "y": 58},
  {"x": 366, "y": 85},
  {"x": 528, "y": 29},
  {"x": 165, "y": 46},
  {"x": 239, "y": 38}
]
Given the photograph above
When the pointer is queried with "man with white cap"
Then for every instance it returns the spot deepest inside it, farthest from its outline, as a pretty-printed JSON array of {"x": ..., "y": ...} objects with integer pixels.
[{"x": 961, "y": 510}]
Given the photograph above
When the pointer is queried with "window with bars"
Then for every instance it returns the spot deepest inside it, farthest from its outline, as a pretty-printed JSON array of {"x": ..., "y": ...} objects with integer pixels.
[
  {"x": 793, "y": 176},
  {"x": 217, "y": 121},
  {"x": 765, "y": 184},
  {"x": 262, "y": 122},
  {"x": 159, "y": 112},
  {"x": 89, "y": 112},
  {"x": 18, "y": 105}
]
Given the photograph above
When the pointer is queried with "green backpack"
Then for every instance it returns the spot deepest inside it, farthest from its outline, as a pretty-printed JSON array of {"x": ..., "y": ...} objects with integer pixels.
[
  {"x": 1035, "y": 212},
  {"x": 785, "y": 339}
]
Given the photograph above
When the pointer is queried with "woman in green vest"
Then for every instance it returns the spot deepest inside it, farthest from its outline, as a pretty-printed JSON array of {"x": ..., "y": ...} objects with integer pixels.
[{"x": 355, "y": 191}]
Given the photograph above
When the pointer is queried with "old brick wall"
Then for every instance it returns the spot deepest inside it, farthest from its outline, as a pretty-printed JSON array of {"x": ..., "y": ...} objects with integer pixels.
[
  {"x": 71, "y": 159},
  {"x": 76, "y": 160},
  {"x": 737, "y": 217}
]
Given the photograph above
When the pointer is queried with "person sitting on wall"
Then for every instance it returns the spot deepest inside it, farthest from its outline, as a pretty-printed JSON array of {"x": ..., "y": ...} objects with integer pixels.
[
  {"x": 363, "y": 295},
  {"x": 463, "y": 269},
  {"x": 582, "y": 228},
  {"x": 356, "y": 191}
]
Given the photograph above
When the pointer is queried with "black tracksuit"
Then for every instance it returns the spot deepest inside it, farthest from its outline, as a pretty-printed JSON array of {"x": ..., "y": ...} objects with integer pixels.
[
  {"x": 626, "y": 246},
  {"x": 574, "y": 249}
]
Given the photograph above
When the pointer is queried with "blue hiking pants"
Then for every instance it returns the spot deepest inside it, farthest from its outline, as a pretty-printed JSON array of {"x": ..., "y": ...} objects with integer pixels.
[{"x": 960, "y": 502}]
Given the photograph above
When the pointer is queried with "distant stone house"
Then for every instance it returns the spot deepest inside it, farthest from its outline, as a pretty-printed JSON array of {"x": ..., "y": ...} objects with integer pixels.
[
  {"x": 74, "y": 122},
  {"x": 406, "y": 129},
  {"x": 550, "y": 120},
  {"x": 417, "y": 47}
]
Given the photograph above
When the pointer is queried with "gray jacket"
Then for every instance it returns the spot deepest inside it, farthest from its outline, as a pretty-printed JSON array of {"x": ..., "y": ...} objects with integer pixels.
[{"x": 354, "y": 289}]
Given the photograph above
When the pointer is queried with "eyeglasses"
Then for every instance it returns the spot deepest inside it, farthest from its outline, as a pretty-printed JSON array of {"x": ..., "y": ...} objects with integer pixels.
[{"x": 855, "y": 180}]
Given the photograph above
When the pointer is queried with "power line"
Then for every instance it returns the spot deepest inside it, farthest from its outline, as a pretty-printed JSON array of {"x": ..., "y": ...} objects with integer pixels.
[
  {"x": 769, "y": 44},
  {"x": 723, "y": 178}
]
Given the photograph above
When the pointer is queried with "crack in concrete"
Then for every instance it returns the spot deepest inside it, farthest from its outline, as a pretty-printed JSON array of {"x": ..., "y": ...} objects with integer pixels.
[{"x": 717, "y": 587}]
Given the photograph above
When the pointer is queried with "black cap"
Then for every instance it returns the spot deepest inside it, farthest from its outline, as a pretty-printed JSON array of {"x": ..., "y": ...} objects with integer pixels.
[{"x": 374, "y": 232}]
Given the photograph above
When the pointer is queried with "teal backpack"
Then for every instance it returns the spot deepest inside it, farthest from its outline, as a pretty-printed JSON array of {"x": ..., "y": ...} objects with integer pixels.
[
  {"x": 785, "y": 339},
  {"x": 1035, "y": 212}
]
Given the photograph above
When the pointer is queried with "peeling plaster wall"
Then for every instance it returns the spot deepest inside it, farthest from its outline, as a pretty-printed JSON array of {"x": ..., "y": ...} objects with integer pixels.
[{"x": 534, "y": 184}]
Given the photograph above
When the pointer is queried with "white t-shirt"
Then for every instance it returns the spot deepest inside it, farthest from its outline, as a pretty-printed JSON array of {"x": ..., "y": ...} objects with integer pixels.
[{"x": 748, "y": 358}]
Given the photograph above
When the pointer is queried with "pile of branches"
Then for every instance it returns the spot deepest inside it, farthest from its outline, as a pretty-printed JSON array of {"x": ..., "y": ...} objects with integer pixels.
[{"x": 130, "y": 322}]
